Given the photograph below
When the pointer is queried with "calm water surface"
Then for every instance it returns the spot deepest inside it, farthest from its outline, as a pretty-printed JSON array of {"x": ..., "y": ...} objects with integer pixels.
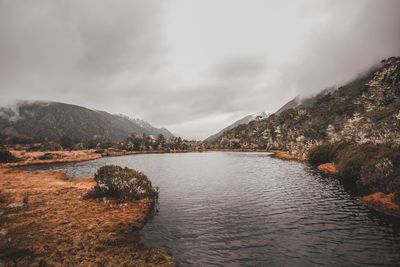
[{"x": 250, "y": 209}]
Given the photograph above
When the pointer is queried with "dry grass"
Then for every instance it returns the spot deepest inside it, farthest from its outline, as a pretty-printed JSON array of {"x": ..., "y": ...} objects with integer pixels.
[
  {"x": 383, "y": 202},
  {"x": 32, "y": 158},
  {"x": 328, "y": 167},
  {"x": 285, "y": 155},
  {"x": 45, "y": 219}
]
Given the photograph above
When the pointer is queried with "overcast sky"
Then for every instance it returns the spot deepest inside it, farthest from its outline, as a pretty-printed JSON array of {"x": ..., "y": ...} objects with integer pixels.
[{"x": 191, "y": 66}]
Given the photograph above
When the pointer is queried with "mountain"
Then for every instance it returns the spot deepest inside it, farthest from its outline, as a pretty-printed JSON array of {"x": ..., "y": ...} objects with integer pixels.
[
  {"x": 244, "y": 120},
  {"x": 364, "y": 110},
  {"x": 294, "y": 103},
  {"x": 298, "y": 101},
  {"x": 53, "y": 120}
]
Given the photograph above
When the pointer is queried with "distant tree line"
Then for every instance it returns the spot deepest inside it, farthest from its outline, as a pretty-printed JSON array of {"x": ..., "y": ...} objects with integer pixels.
[{"x": 133, "y": 142}]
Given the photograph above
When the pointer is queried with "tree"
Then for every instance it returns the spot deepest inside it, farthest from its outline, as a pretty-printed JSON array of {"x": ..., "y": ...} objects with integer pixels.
[
  {"x": 148, "y": 142},
  {"x": 160, "y": 141},
  {"x": 66, "y": 143}
]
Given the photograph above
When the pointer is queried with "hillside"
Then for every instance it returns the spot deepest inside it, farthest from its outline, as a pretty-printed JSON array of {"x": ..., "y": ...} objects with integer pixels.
[
  {"x": 244, "y": 120},
  {"x": 366, "y": 109},
  {"x": 298, "y": 101},
  {"x": 53, "y": 120}
]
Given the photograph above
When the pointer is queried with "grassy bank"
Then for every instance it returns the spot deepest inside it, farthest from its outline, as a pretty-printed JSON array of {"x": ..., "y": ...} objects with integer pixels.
[
  {"x": 371, "y": 171},
  {"x": 59, "y": 156},
  {"x": 46, "y": 220},
  {"x": 286, "y": 155}
]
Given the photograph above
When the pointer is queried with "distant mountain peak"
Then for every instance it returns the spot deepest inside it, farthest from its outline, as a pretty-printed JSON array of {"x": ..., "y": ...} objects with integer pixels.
[
  {"x": 52, "y": 120},
  {"x": 245, "y": 120}
]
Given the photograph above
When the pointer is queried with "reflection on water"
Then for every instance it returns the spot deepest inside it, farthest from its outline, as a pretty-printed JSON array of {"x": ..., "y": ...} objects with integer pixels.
[{"x": 249, "y": 209}]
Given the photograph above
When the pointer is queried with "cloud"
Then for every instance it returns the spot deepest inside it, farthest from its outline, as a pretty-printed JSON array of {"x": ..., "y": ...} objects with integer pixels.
[
  {"x": 53, "y": 48},
  {"x": 358, "y": 35},
  {"x": 192, "y": 66},
  {"x": 241, "y": 67}
]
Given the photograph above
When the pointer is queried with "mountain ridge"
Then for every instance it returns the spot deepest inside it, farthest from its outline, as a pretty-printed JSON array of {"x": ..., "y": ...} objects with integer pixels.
[
  {"x": 244, "y": 120},
  {"x": 366, "y": 109},
  {"x": 52, "y": 120}
]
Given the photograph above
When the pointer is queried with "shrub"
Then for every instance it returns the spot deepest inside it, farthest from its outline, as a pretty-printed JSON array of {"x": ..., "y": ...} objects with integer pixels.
[
  {"x": 319, "y": 154},
  {"x": 326, "y": 153},
  {"x": 48, "y": 156},
  {"x": 6, "y": 157},
  {"x": 396, "y": 191},
  {"x": 66, "y": 143},
  {"x": 349, "y": 162},
  {"x": 123, "y": 183},
  {"x": 364, "y": 168},
  {"x": 377, "y": 175},
  {"x": 369, "y": 167},
  {"x": 34, "y": 147}
]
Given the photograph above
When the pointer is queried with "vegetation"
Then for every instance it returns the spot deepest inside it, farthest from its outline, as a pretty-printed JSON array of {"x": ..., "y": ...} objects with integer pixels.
[
  {"x": 123, "y": 183},
  {"x": 143, "y": 142},
  {"x": 320, "y": 154},
  {"x": 66, "y": 143},
  {"x": 133, "y": 142},
  {"x": 7, "y": 157},
  {"x": 366, "y": 109},
  {"x": 48, "y": 156},
  {"x": 366, "y": 168}
]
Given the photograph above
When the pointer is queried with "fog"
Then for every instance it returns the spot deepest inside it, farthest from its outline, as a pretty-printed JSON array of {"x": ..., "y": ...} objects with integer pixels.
[{"x": 193, "y": 67}]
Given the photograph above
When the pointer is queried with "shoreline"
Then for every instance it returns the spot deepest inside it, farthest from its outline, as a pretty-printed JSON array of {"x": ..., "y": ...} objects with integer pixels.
[
  {"x": 32, "y": 158},
  {"x": 280, "y": 154},
  {"x": 36, "y": 213},
  {"x": 380, "y": 202},
  {"x": 328, "y": 167},
  {"x": 45, "y": 219}
]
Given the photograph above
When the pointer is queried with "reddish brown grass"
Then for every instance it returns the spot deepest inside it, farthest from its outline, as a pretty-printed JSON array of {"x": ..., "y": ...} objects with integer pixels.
[
  {"x": 328, "y": 167},
  {"x": 285, "y": 155},
  {"x": 46, "y": 219},
  {"x": 383, "y": 202}
]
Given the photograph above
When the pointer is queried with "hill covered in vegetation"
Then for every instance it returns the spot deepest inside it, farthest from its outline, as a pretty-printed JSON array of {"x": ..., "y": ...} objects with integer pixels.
[
  {"x": 244, "y": 120},
  {"x": 53, "y": 120},
  {"x": 364, "y": 110}
]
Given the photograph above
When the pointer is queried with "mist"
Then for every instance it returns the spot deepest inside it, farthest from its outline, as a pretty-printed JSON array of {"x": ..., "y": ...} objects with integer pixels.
[{"x": 193, "y": 67}]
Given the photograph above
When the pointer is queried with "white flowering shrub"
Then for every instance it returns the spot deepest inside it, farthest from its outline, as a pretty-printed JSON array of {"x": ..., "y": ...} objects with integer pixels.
[{"x": 123, "y": 183}]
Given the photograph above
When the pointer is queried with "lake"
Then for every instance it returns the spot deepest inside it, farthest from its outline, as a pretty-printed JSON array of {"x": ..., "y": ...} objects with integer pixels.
[{"x": 251, "y": 209}]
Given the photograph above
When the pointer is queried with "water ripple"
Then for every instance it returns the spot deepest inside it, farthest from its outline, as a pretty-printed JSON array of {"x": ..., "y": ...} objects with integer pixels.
[{"x": 249, "y": 209}]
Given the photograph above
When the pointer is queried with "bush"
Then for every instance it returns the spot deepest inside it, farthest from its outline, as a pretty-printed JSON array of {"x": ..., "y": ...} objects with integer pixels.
[
  {"x": 123, "y": 183},
  {"x": 369, "y": 167},
  {"x": 377, "y": 175},
  {"x": 34, "y": 148},
  {"x": 326, "y": 153},
  {"x": 365, "y": 168},
  {"x": 7, "y": 157},
  {"x": 66, "y": 143},
  {"x": 319, "y": 154},
  {"x": 48, "y": 156},
  {"x": 396, "y": 191}
]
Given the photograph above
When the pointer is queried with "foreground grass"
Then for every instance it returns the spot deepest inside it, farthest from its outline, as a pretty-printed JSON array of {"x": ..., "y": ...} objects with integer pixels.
[{"x": 46, "y": 220}]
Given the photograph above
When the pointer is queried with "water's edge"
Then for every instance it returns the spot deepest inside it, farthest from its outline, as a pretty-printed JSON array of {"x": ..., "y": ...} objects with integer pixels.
[{"x": 204, "y": 223}]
